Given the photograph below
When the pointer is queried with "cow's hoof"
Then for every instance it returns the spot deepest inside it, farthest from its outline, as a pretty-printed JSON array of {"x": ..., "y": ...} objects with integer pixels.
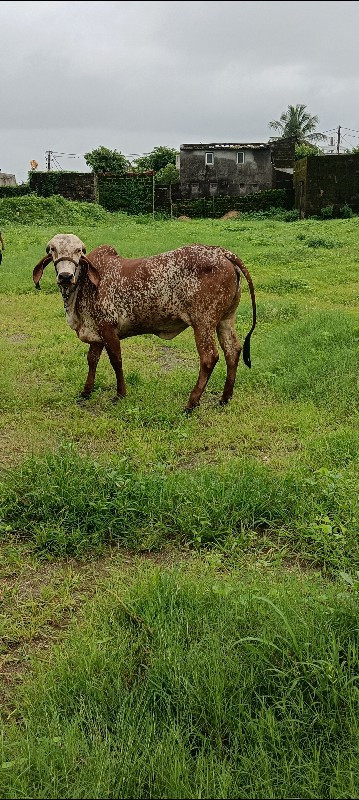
[
  {"x": 189, "y": 410},
  {"x": 117, "y": 399},
  {"x": 83, "y": 396},
  {"x": 224, "y": 401}
]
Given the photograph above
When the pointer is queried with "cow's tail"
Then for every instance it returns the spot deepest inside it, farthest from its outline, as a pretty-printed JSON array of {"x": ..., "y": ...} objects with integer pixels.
[{"x": 240, "y": 268}]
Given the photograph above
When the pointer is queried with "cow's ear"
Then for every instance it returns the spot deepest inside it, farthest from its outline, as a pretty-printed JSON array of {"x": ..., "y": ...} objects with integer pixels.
[
  {"x": 38, "y": 270},
  {"x": 92, "y": 272}
]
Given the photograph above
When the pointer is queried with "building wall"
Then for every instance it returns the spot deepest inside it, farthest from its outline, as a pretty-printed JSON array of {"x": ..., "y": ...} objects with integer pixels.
[
  {"x": 72, "y": 185},
  {"x": 225, "y": 176},
  {"x": 300, "y": 185},
  {"x": 6, "y": 179},
  {"x": 326, "y": 180}
]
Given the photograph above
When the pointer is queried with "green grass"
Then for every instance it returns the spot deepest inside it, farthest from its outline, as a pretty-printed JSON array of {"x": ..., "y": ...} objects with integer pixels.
[
  {"x": 236, "y": 675},
  {"x": 194, "y": 684},
  {"x": 282, "y": 458}
]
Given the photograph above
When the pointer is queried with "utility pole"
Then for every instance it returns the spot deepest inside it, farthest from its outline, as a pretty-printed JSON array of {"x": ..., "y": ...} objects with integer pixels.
[
  {"x": 338, "y": 142},
  {"x": 48, "y": 154}
]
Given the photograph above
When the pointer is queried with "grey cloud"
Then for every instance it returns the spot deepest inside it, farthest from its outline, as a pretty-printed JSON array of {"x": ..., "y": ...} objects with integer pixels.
[{"x": 137, "y": 74}]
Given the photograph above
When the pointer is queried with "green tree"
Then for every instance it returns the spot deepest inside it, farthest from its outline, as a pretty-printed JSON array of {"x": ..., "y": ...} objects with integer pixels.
[
  {"x": 298, "y": 124},
  {"x": 157, "y": 159},
  {"x": 104, "y": 160},
  {"x": 354, "y": 151},
  {"x": 302, "y": 150},
  {"x": 167, "y": 175}
]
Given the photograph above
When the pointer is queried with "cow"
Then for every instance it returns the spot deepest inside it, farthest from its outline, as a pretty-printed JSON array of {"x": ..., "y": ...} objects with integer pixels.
[{"x": 108, "y": 298}]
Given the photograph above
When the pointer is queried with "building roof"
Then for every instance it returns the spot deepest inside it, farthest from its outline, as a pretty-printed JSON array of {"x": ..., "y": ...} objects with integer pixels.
[{"x": 227, "y": 146}]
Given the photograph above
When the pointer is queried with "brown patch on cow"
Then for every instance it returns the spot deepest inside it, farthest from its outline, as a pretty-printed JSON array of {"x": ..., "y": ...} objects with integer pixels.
[{"x": 231, "y": 215}]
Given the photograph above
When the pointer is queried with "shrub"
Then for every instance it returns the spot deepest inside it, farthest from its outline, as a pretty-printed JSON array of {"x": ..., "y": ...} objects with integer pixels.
[
  {"x": 45, "y": 210},
  {"x": 346, "y": 212},
  {"x": 327, "y": 212},
  {"x": 15, "y": 191}
]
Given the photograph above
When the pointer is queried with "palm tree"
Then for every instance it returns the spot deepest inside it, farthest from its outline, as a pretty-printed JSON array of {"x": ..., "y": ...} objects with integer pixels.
[{"x": 298, "y": 124}]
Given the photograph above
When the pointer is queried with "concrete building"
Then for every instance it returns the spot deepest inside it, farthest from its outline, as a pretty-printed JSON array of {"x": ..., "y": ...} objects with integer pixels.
[
  {"x": 6, "y": 179},
  {"x": 235, "y": 168}
]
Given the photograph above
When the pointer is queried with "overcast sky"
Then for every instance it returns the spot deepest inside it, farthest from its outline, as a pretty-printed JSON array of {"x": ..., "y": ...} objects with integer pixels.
[{"x": 132, "y": 75}]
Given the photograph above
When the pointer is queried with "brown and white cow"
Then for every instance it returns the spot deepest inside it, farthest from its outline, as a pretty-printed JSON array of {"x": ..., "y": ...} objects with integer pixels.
[{"x": 108, "y": 298}]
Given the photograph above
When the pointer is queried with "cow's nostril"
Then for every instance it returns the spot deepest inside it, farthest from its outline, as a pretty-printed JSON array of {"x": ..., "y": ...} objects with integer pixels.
[{"x": 65, "y": 277}]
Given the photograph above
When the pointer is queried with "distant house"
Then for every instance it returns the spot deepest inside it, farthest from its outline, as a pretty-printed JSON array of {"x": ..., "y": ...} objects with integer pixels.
[
  {"x": 330, "y": 146},
  {"x": 6, "y": 179},
  {"x": 321, "y": 181},
  {"x": 235, "y": 168}
]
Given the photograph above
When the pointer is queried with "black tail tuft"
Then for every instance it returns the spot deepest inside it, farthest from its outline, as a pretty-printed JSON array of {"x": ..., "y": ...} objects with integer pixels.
[{"x": 247, "y": 351}]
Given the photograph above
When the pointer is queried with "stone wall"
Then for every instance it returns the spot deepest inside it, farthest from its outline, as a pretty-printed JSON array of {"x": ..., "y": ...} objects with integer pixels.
[
  {"x": 72, "y": 185},
  {"x": 320, "y": 181}
]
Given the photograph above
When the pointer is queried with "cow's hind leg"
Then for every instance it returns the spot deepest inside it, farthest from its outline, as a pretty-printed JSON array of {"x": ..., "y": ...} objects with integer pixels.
[
  {"x": 93, "y": 357},
  {"x": 208, "y": 355},
  {"x": 231, "y": 346}
]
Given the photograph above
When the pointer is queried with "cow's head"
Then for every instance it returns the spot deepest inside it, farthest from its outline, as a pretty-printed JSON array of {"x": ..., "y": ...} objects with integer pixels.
[{"x": 68, "y": 255}]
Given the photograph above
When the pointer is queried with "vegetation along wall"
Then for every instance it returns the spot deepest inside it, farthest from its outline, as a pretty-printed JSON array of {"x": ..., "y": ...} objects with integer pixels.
[{"x": 72, "y": 185}]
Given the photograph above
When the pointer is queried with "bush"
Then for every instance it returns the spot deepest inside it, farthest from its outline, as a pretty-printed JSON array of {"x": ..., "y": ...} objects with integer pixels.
[
  {"x": 346, "y": 212},
  {"x": 15, "y": 191},
  {"x": 319, "y": 241},
  {"x": 327, "y": 212},
  {"x": 47, "y": 210}
]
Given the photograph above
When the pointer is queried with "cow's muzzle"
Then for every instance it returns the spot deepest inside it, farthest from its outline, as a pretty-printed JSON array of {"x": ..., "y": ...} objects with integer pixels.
[
  {"x": 65, "y": 278},
  {"x": 66, "y": 273}
]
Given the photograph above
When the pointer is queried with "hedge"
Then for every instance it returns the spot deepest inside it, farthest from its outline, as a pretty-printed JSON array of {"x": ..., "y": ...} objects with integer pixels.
[
  {"x": 133, "y": 195},
  {"x": 218, "y": 205},
  {"x": 15, "y": 191}
]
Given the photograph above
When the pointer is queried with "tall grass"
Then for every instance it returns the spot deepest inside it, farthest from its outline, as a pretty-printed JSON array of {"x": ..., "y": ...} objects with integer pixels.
[
  {"x": 191, "y": 686},
  {"x": 67, "y": 504}
]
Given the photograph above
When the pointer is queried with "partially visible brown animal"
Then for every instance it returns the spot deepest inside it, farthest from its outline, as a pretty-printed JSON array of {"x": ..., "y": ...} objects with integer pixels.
[{"x": 108, "y": 298}]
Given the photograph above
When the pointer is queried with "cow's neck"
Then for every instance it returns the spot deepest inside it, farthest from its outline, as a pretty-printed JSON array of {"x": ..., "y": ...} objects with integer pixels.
[{"x": 69, "y": 297}]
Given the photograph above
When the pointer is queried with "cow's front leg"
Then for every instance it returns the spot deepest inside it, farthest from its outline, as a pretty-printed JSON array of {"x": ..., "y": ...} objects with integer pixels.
[
  {"x": 93, "y": 357},
  {"x": 113, "y": 349}
]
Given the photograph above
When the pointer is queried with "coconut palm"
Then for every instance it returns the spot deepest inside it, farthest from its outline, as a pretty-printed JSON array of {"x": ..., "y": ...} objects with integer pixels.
[{"x": 297, "y": 123}]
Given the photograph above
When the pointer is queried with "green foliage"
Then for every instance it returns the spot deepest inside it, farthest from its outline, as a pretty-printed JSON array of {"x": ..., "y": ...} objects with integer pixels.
[
  {"x": 297, "y": 123},
  {"x": 33, "y": 209},
  {"x": 321, "y": 241},
  {"x": 199, "y": 685},
  {"x": 15, "y": 191},
  {"x": 345, "y": 212},
  {"x": 327, "y": 212},
  {"x": 104, "y": 160},
  {"x": 304, "y": 149},
  {"x": 159, "y": 158},
  {"x": 167, "y": 175},
  {"x": 217, "y": 206},
  {"x": 131, "y": 194}
]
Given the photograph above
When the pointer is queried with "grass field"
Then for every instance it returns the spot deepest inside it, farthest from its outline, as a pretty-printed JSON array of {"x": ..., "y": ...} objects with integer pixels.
[{"x": 234, "y": 674}]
